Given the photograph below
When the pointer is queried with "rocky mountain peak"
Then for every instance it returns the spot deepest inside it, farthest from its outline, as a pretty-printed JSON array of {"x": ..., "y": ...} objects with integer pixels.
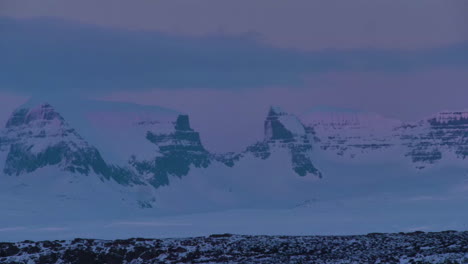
[
  {"x": 179, "y": 150},
  {"x": 280, "y": 125},
  {"x": 26, "y": 115},
  {"x": 183, "y": 123},
  {"x": 276, "y": 111},
  {"x": 37, "y": 136}
]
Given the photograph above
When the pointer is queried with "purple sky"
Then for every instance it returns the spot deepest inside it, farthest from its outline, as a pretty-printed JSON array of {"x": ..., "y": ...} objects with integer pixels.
[{"x": 417, "y": 48}]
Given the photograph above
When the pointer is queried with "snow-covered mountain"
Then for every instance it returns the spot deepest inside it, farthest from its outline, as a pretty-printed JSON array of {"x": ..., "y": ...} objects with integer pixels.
[
  {"x": 107, "y": 157},
  {"x": 366, "y": 136},
  {"x": 438, "y": 139},
  {"x": 62, "y": 162},
  {"x": 142, "y": 155},
  {"x": 39, "y": 137},
  {"x": 282, "y": 131}
]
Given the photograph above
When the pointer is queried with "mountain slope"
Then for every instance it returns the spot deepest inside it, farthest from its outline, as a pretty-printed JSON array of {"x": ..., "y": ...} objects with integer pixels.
[
  {"x": 111, "y": 161},
  {"x": 283, "y": 131},
  {"x": 140, "y": 157},
  {"x": 441, "y": 138},
  {"x": 146, "y": 150},
  {"x": 179, "y": 151},
  {"x": 39, "y": 136},
  {"x": 366, "y": 136}
]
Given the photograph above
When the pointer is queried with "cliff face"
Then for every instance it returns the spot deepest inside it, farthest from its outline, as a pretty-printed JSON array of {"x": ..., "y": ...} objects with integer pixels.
[
  {"x": 37, "y": 137},
  {"x": 283, "y": 131},
  {"x": 442, "y": 136},
  {"x": 350, "y": 134},
  {"x": 424, "y": 143},
  {"x": 178, "y": 152}
]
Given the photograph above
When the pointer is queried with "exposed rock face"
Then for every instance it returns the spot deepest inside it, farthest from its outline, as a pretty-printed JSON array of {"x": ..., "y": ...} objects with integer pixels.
[
  {"x": 284, "y": 131},
  {"x": 25, "y": 116},
  {"x": 38, "y": 136},
  {"x": 301, "y": 161},
  {"x": 430, "y": 140},
  {"x": 425, "y": 143},
  {"x": 453, "y": 127},
  {"x": 281, "y": 126},
  {"x": 260, "y": 150},
  {"x": 416, "y": 247},
  {"x": 287, "y": 131},
  {"x": 349, "y": 134},
  {"x": 179, "y": 150}
]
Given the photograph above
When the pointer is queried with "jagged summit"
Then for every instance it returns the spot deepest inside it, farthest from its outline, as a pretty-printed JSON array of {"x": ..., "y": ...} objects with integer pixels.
[
  {"x": 159, "y": 151},
  {"x": 285, "y": 131},
  {"x": 276, "y": 111},
  {"x": 117, "y": 129},
  {"x": 280, "y": 125},
  {"x": 26, "y": 114},
  {"x": 183, "y": 123},
  {"x": 37, "y": 136}
]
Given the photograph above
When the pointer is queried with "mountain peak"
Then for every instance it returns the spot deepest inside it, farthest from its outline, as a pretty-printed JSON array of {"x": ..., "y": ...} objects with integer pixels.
[
  {"x": 183, "y": 123},
  {"x": 276, "y": 111},
  {"x": 25, "y": 115},
  {"x": 280, "y": 125}
]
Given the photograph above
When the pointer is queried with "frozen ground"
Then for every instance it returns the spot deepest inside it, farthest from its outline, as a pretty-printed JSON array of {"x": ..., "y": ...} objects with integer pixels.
[{"x": 414, "y": 247}]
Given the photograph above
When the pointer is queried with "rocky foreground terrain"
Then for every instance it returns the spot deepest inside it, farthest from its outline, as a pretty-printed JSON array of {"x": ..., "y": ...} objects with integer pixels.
[{"x": 415, "y": 247}]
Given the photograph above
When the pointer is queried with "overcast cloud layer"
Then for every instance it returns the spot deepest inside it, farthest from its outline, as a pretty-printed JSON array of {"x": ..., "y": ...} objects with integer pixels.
[
  {"x": 48, "y": 55},
  {"x": 302, "y": 24}
]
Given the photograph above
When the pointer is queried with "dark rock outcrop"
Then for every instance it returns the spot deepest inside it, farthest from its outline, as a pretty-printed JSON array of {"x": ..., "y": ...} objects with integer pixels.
[
  {"x": 284, "y": 131},
  {"x": 414, "y": 247},
  {"x": 427, "y": 141},
  {"x": 180, "y": 150}
]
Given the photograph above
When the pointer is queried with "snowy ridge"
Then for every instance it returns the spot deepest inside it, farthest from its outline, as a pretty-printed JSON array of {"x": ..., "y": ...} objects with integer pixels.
[
  {"x": 143, "y": 149},
  {"x": 336, "y": 118},
  {"x": 281, "y": 125},
  {"x": 152, "y": 158},
  {"x": 365, "y": 137},
  {"x": 39, "y": 137},
  {"x": 442, "y": 138},
  {"x": 351, "y": 134},
  {"x": 283, "y": 131},
  {"x": 446, "y": 117}
]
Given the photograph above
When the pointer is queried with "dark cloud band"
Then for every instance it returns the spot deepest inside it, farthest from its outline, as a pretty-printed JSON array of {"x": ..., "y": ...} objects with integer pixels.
[{"x": 48, "y": 55}]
